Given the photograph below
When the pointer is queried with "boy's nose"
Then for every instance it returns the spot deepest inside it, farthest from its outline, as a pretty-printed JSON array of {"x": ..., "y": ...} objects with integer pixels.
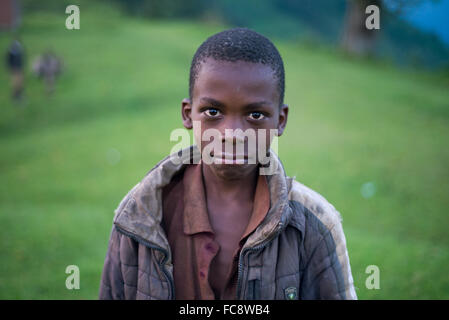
[
  {"x": 233, "y": 134},
  {"x": 231, "y": 126},
  {"x": 233, "y": 137}
]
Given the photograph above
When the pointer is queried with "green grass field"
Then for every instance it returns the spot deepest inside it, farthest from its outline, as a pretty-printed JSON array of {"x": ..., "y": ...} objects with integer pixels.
[{"x": 67, "y": 160}]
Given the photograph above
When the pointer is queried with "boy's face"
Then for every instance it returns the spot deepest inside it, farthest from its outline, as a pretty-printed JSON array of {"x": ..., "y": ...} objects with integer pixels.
[{"x": 234, "y": 95}]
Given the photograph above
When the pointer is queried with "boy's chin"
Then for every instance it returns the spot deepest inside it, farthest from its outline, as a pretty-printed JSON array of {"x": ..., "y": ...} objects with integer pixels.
[{"x": 232, "y": 171}]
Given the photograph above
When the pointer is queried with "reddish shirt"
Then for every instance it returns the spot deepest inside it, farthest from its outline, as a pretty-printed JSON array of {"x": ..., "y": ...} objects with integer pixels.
[{"x": 191, "y": 237}]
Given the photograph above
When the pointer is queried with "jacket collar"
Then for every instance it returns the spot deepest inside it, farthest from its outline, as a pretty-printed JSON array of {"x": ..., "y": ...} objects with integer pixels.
[{"x": 141, "y": 215}]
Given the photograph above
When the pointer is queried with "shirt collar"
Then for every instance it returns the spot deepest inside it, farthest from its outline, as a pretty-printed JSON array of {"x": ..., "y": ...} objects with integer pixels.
[{"x": 196, "y": 218}]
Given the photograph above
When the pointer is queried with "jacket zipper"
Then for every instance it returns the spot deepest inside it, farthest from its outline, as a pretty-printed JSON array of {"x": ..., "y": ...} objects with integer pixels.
[
  {"x": 162, "y": 264},
  {"x": 252, "y": 250}
]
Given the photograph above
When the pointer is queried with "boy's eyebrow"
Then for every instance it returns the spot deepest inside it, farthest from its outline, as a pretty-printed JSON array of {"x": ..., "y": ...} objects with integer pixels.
[
  {"x": 211, "y": 101},
  {"x": 251, "y": 105},
  {"x": 255, "y": 105}
]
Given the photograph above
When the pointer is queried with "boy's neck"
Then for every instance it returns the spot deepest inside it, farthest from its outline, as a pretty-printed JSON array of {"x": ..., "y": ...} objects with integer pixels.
[{"x": 219, "y": 189}]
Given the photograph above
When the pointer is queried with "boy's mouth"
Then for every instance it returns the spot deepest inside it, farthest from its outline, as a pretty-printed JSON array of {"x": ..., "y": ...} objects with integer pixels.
[{"x": 230, "y": 158}]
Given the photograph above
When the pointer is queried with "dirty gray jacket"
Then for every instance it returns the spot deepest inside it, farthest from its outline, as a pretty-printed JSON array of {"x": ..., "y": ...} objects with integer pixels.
[{"x": 297, "y": 252}]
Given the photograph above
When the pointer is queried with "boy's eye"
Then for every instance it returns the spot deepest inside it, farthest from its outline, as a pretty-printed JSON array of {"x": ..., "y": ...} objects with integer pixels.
[
  {"x": 212, "y": 112},
  {"x": 256, "y": 115}
]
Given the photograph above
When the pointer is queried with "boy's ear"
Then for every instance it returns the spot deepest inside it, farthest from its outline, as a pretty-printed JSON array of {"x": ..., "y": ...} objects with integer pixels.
[
  {"x": 283, "y": 115},
  {"x": 186, "y": 113}
]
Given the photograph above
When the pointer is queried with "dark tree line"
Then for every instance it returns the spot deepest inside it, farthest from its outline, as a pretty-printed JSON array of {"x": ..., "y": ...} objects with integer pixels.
[{"x": 356, "y": 38}]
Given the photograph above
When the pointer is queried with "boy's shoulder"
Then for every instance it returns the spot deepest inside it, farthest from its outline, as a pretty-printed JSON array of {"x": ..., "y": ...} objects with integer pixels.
[{"x": 315, "y": 203}]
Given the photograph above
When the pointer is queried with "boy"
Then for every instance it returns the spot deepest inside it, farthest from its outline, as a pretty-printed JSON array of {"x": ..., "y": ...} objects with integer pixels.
[{"x": 224, "y": 229}]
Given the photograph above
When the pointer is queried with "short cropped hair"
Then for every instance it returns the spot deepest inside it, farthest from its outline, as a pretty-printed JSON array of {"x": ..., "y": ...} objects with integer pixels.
[{"x": 239, "y": 44}]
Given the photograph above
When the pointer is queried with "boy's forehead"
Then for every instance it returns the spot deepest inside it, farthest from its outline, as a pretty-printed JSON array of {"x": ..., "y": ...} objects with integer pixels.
[{"x": 236, "y": 80}]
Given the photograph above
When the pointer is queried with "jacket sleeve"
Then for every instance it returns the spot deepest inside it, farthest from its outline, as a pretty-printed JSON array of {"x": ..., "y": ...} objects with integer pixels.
[
  {"x": 112, "y": 284},
  {"x": 341, "y": 252},
  {"x": 332, "y": 221},
  {"x": 119, "y": 277},
  {"x": 322, "y": 277}
]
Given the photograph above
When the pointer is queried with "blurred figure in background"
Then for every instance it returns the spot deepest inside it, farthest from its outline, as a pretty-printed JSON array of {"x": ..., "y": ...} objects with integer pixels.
[
  {"x": 48, "y": 66},
  {"x": 15, "y": 63}
]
